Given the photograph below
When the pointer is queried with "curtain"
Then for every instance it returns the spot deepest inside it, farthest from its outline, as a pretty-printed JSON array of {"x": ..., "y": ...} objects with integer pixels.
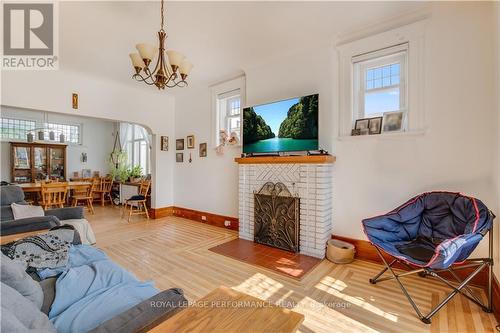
[{"x": 124, "y": 130}]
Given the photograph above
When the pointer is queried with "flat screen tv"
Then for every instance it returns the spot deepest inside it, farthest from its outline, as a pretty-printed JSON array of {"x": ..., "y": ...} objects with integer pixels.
[{"x": 284, "y": 126}]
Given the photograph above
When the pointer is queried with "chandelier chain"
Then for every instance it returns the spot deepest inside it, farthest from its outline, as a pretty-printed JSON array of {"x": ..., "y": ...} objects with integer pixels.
[{"x": 162, "y": 15}]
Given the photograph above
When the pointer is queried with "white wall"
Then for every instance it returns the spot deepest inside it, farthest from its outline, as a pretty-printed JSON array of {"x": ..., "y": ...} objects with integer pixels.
[
  {"x": 51, "y": 91},
  {"x": 97, "y": 141},
  {"x": 496, "y": 165},
  {"x": 372, "y": 174}
]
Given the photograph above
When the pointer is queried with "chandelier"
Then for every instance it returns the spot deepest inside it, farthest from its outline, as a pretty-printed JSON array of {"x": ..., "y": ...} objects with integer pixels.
[{"x": 171, "y": 69}]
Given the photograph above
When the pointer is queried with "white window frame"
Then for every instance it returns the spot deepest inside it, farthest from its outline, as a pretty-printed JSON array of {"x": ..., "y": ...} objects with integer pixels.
[
  {"x": 226, "y": 90},
  {"x": 414, "y": 36},
  {"x": 380, "y": 58},
  {"x": 18, "y": 119},
  {"x": 132, "y": 142},
  {"x": 66, "y": 139},
  {"x": 44, "y": 124}
]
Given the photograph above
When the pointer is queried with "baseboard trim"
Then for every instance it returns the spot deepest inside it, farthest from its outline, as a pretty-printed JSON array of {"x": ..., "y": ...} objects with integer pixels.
[
  {"x": 195, "y": 215},
  {"x": 210, "y": 218},
  {"x": 366, "y": 251},
  {"x": 157, "y": 213}
]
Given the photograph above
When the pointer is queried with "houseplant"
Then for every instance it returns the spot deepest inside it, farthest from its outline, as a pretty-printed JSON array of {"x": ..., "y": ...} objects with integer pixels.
[
  {"x": 118, "y": 166},
  {"x": 135, "y": 173}
]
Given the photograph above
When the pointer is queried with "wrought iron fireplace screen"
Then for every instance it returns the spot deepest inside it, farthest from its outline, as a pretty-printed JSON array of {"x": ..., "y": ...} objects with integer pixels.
[{"x": 276, "y": 216}]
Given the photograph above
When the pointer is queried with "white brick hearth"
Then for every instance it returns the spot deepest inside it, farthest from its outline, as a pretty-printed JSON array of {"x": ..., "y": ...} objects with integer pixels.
[{"x": 312, "y": 183}]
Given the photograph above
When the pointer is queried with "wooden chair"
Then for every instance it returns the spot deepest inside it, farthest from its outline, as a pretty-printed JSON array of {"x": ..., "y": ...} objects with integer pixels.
[
  {"x": 54, "y": 194},
  {"x": 103, "y": 190},
  {"x": 85, "y": 194},
  {"x": 136, "y": 205}
]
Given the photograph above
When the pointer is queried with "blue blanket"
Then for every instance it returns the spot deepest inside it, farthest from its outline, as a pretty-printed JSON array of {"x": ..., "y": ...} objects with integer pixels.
[{"x": 93, "y": 289}]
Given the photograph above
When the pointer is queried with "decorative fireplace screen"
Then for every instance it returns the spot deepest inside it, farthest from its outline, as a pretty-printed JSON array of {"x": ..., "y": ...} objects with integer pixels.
[{"x": 277, "y": 217}]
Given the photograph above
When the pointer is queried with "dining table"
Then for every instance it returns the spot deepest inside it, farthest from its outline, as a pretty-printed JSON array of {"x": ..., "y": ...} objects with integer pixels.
[{"x": 37, "y": 187}]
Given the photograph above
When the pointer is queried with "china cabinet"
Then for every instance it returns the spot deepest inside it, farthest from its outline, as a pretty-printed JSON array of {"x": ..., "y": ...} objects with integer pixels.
[{"x": 37, "y": 161}]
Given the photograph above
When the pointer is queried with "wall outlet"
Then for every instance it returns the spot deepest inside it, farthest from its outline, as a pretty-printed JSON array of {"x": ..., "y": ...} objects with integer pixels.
[
  {"x": 227, "y": 223},
  {"x": 203, "y": 218}
]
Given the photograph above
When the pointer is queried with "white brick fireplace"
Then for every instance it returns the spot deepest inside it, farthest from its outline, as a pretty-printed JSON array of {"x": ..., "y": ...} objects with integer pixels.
[{"x": 312, "y": 182}]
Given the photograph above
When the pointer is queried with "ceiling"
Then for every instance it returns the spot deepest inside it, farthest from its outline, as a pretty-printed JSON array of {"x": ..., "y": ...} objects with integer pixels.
[{"x": 220, "y": 38}]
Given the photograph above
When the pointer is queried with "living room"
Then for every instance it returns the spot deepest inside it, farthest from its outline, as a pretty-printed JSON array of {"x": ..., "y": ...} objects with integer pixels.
[{"x": 200, "y": 231}]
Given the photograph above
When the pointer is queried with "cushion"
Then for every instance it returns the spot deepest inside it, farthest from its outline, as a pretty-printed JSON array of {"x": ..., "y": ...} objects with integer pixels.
[
  {"x": 28, "y": 224},
  {"x": 13, "y": 275},
  {"x": 25, "y": 211},
  {"x": 10, "y": 194},
  {"x": 21, "y": 315},
  {"x": 83, "y": 227},
  {"x": 136, "y": 197}
]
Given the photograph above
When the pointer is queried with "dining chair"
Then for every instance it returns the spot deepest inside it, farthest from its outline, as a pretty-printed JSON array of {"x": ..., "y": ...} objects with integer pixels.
[
  {"x": 54, "y": 194},
  {"x": 85, "y": 194},
  {"x": 136, "y": 205},
  {"x": 103, "y": 190}
]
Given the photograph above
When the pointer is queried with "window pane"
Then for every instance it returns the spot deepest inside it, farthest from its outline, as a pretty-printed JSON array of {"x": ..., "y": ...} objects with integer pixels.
[
  {"x": 384, "y": 76},
  {"x": 381, "y": 101},
  {"x": 16, "y": 128},
  {"x": 369, "y": 74},
  {"x": 143, "y": 156}
]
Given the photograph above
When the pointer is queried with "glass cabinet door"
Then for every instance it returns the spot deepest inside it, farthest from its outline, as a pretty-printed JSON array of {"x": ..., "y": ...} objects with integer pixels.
[
  {"x": 57, "y": 163},
  {"x": 40, "y": 162},
  {"x": 22, "y": 164}
]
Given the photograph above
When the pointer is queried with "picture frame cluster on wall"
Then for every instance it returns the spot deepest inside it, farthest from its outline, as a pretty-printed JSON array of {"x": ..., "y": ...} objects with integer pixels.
[
  {"x": 389, "y": 122},
  {"x": 190, "y": 144}
]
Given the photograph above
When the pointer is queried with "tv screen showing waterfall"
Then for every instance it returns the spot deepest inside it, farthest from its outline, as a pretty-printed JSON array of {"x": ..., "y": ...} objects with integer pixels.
[{"x": 288, "y": 125}]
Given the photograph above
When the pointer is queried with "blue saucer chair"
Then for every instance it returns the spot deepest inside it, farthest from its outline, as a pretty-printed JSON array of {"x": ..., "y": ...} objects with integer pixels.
[{"x": 429, "y": 234}]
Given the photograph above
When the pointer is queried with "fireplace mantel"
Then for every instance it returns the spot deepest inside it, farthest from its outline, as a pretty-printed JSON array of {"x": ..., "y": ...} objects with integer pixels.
[{"x": 311, "y": 159}]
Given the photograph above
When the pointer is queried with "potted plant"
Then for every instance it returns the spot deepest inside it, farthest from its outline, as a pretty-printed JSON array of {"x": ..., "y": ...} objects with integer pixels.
[
  {"x": 118, "y": 166},
  {"x": 135, "y": 173}
]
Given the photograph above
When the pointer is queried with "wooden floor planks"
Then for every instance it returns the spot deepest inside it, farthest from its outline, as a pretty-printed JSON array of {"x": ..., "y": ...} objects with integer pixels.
[{"x": 173, "y": 252}]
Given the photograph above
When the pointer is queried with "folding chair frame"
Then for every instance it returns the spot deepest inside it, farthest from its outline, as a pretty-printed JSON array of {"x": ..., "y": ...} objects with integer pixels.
[{"x": 461, "y": 288}]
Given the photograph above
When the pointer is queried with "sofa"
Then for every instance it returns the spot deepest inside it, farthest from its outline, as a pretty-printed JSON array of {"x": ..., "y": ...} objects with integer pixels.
[
  {"x": 12, "y": 194},
  {"x": 27, "y": 304}
]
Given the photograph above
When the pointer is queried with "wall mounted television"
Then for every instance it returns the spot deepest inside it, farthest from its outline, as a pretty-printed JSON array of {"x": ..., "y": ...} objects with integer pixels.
[{"x": 284, "y": 126}]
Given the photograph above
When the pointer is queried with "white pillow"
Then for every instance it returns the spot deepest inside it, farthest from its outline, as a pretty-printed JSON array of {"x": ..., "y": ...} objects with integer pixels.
[{"x": 25, "y": 211}]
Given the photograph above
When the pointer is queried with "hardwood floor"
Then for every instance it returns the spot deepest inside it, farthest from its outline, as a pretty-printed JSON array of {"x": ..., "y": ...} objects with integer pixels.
[{"x": 334, "y": 298}]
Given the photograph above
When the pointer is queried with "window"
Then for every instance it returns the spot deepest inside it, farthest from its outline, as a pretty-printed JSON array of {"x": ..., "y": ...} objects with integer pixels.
[
  {"x": 380, "y": 82},
  {"x": 227, "y": 99},
  {"x": 71, "y": 132},
  {"x": 229, "y": 110},
  {"x": 382, "y": 73},
  {"x": 136, "y": 146},
  {"x": 16, "y": 129}
]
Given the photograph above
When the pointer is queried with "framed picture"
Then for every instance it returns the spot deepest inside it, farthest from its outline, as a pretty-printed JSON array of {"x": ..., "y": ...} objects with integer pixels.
[
  {"x": 375, "y": 125},
  {"x": 86, "y": 173},
  {"x": 203, "y": 149},
  {"x": 362, "y": 123},
  {"x": 393, "y": 121},
  {"x": 74, "y": 100},
  {"x": 164, "y": 143},
  {"x": 190, "y": 141},
  {"x": 179, "y": 144},
  {"x": 179, "y": 157}
]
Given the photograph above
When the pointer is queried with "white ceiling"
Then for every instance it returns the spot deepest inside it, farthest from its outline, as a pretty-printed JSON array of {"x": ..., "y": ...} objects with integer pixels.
[{"x": 220, "y": 38}]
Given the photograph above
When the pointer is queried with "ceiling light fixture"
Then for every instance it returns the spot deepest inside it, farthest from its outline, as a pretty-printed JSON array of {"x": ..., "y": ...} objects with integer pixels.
[{"x": 171, "y": 68}]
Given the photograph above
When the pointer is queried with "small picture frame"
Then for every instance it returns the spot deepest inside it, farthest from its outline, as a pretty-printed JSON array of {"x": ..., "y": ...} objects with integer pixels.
[
  {"x": 355, "y": 132},
  {"x": 203, "y": 149},
  {"x": 164, "y": 143},
  {"x": 179, "y": 157},
  {"x": 393, "y": 121},
  {"x": 179, "y": 144},
  {"x": 375, "y": 125},
  {"x": 74, "y": 101},
  {"x": 190, "y": 141},
  {"x": 362, "y": 124},
  {"x": 86, "y": 173}
]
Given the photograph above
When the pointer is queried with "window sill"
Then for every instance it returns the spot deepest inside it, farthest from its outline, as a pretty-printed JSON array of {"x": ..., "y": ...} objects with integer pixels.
[{"x": 384, "y": 136}]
